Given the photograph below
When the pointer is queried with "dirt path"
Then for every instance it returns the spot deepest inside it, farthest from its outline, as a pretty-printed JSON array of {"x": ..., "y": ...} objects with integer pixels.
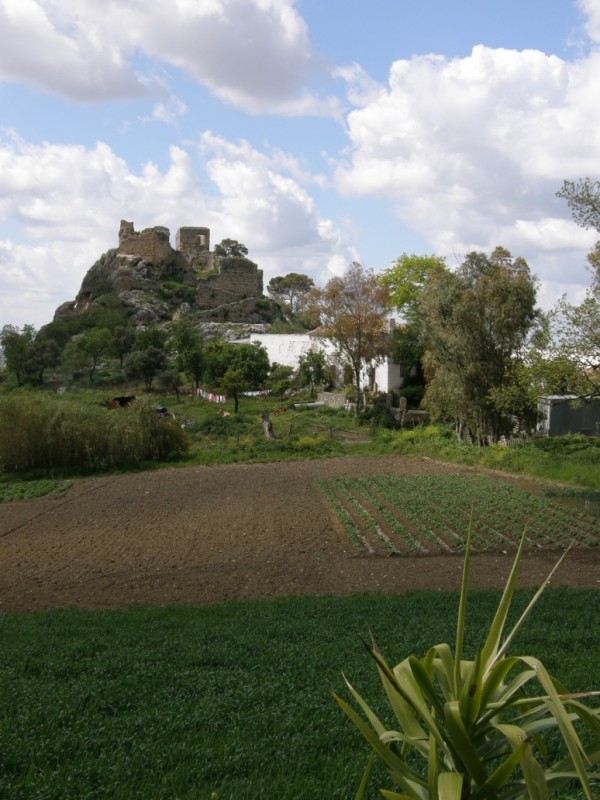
[{"x": 210, "y": 534}]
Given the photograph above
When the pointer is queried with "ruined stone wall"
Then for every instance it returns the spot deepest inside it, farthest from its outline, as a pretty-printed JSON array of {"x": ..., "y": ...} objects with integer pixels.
[
  {"x": 151, "y": 244},
  {"x": 194, "y": 245},
  {"x": 228, "y": 279},
  {"x": 236, "y": 279}
]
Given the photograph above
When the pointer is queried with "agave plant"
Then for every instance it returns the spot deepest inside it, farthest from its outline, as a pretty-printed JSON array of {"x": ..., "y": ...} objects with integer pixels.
[{"x": 471, "y": 729}]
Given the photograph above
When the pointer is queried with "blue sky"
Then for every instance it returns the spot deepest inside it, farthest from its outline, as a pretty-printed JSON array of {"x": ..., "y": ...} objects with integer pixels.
[{"x": 315, "y": 132}]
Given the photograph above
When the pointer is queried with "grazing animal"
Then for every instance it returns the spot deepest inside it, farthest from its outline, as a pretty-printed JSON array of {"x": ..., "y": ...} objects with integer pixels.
[
  {"x": 223, "y": 413},
  {"x": 280, "y": 410},
  {"x": 124, "y": 401},
  {"x": 163, "y": 411}
]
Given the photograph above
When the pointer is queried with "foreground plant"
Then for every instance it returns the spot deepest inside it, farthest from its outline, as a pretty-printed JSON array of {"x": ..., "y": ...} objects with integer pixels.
[{"x": 470, "y": 730}]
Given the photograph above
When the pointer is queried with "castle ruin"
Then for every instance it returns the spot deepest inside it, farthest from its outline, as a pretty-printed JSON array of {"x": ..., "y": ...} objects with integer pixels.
[{"x": 146, "y": 273}]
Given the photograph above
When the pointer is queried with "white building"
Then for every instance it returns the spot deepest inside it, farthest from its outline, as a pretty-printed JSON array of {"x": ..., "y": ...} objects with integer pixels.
[{"x": 287, "y": 349}]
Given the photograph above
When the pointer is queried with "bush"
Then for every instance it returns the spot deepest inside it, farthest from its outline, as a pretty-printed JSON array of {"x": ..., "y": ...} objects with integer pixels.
[
  {"x": 378, "y": 414},
  {"x": 43, "y": 432}
]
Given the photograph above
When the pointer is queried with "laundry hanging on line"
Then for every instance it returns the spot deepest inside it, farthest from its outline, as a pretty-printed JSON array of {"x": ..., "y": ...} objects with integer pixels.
[{"x": 210, "y": 396}]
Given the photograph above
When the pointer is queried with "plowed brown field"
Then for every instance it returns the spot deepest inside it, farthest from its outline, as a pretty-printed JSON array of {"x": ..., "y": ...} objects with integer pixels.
[{"x": 211, "y": 534}]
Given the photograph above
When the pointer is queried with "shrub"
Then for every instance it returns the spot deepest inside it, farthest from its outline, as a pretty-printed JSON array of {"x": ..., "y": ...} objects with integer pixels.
[
  {"x": 43, "y": 432},
  {"x": 469, "y": 729}
]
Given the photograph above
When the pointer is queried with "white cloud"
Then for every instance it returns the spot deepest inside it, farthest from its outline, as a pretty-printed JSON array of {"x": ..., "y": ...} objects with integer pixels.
[
  {"x": 473, "y": 150},
  {"x": 50, "y": 45},
  {"x": 169, "y": 112},
  {"x": 253, "y": 54},
  {"x": 264, "y": 202},
  {"x": 592, "y": 11},
  {"x": 63, "y": 203}
]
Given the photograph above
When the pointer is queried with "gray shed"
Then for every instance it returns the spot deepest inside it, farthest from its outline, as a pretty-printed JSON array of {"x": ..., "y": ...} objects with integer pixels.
[{"x": 564, "y": 414}]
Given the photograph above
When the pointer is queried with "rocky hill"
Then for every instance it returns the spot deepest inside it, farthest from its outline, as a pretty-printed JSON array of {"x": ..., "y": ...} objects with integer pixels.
[{"x": 156, "y": 283}]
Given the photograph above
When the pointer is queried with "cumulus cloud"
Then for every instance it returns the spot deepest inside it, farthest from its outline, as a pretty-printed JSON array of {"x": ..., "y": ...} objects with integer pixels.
[
  {"x": 592, "y": 11},
  {"x": 63, "y": 203},
  {"x": 50, "y": 45},
  {"x": 473, "y": 150},
  {"x": 265, "y": 200},
  {"x": 253, "y": 54}
]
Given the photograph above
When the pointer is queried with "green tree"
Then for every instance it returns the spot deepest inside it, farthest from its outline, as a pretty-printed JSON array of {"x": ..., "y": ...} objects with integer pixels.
[
  {"x": 231, "y": 248},
  {"x": 190, "y": 350},
  {"x": 312, "y": 370},
  {"x": 233, "y": 383},
  {"x": 123, "y": 341},
  {"x": 248, "y": 364},
  {"x": 44, "y": 353},
  {"x": 170, "y": 381},
  {"x": 583, "y": 198},
  {"x": 290, "y": 289},
  {"x": 58, "y": 331},
  {"x": 573, "y": 349},
  {"x": 405, "y": 280},
  {"x": 87, "y": 349},
  {"x": 152, "y": 336},
  {"x": 353, "y": 311},
  {"x": 476, "y": 321},
  {"x": 145, "y": 364},
  {"x": 16, "y": 345},
  {"x": 280, "y": 379}
]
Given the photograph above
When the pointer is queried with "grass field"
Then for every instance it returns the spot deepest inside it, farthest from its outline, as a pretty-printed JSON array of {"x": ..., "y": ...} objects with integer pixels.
[{"x": 231, "y": 702}]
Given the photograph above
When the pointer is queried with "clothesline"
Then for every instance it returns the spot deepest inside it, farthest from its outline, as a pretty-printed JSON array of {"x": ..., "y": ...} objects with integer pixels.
[{"x": 210, "y": 396}]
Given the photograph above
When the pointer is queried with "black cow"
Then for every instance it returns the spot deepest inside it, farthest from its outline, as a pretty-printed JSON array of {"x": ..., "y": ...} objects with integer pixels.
[{"x": 124, "y": 401}]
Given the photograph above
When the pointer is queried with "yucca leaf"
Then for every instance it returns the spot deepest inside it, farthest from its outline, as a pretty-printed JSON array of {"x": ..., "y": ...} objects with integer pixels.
[
  {"x": 443, "y": 667},
  {"x": 506, "y": 698},
  {"x": 492, "y": 643},
  {"x": 420, "y": 745},
  {"x": 564, "y": 768},
  {"x": 449, "y": 786},
  {"x": 376, "y": 723},
  {"x": 365, "y": 778},
  {"x": 500, "y": 776},
  {"x": 533, "y": 774},
  {"x": 569, "y": 734},
  {"x": 432, "y": 767},
  {"x": 590, "y": 717},
  {"x": 462, "y": 743},
  {"x": 509, "y": 639},
  {"x": 415, "y": 697},
  {"x": 462, "y": 607},
  {"x": 405, "y": 777},
  {"x": 493, "y": 683},
  {"x": 494, "y": 680},
  {"x": 399, "y": 700},
  {"x": 425, "y": 685},
  {"x": 470, "y": 697}
]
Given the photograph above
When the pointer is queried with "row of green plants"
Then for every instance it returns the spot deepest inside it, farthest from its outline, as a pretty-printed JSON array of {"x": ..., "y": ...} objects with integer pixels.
[
  {"x": 232, "y": 702},
  {"x": 429, "y": 513}
]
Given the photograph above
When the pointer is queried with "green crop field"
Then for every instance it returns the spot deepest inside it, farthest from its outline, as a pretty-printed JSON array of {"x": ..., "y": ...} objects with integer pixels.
[{"x": 431, "y": 513}]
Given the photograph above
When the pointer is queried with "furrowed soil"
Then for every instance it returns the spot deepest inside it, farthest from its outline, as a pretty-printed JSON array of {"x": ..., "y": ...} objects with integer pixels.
[{"x": 212, "y": 534}]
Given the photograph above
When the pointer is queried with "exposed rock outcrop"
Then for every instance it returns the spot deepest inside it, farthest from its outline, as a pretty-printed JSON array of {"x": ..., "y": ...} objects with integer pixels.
[{"x": 155, "y": 282}]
